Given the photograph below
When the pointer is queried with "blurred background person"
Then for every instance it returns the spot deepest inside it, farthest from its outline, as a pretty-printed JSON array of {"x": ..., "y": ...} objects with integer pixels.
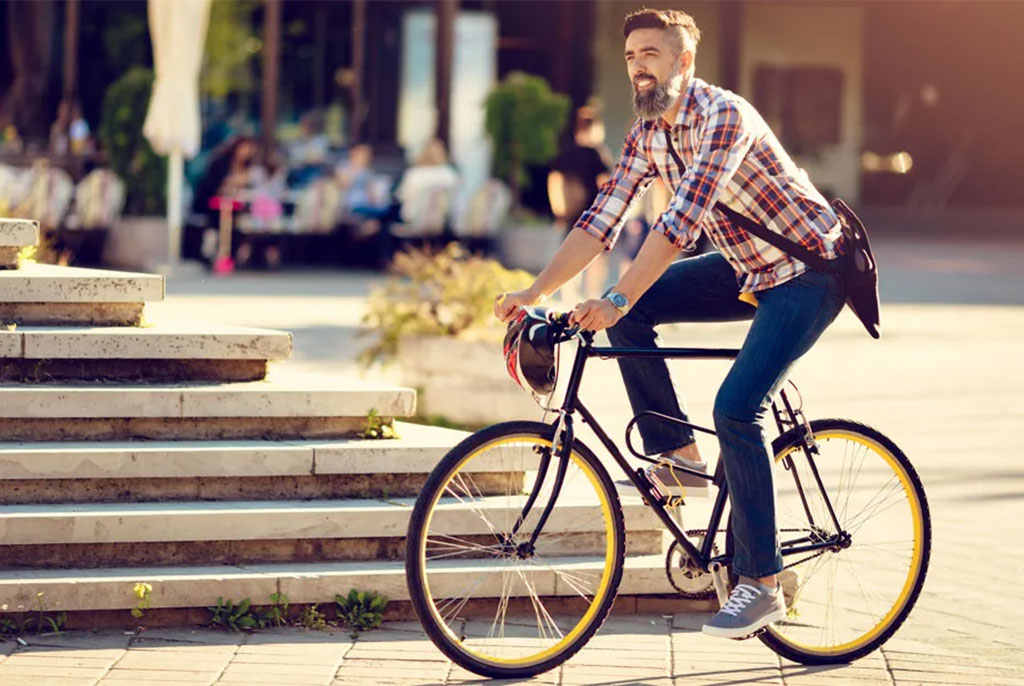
[
  {"x": 582, "y": 167},
  {"x": 430, "y": 175}
]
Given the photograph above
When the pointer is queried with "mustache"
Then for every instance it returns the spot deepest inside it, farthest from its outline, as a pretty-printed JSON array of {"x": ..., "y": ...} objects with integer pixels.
[{"x": 644, "y": 76}]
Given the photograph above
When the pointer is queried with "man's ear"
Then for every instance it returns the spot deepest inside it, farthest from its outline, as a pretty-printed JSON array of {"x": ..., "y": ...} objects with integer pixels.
[{"x": 685, "y": 61}]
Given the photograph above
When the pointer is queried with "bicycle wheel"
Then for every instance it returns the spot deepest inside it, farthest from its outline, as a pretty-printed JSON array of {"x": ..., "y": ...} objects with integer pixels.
[
  {"x": 848, "y": 599},
  {"x": 489, "y": 601}
]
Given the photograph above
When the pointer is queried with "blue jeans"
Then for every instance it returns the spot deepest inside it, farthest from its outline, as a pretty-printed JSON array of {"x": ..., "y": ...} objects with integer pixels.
[{"x": 788, "y": 320}]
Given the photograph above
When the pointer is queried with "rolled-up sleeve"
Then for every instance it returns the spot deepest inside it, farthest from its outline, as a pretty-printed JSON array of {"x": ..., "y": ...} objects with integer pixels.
[
  {"x": 631, "y": 176},
  {"x": 723, "y": 145}
]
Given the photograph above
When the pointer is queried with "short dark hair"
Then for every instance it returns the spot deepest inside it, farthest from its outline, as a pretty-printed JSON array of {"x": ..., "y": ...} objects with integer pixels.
[{"x": 682, "y": 28}]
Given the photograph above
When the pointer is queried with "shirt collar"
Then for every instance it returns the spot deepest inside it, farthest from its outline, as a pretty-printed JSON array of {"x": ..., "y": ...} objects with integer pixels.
[{"x": 688, "y": 111}]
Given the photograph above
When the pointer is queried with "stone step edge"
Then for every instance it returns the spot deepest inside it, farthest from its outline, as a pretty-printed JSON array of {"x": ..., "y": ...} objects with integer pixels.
[
  {"x": 183, "y": 587},
  {"x": 18, "y": 233},
  {"x": 417, "y": 450},
  {"x": 269, "y": 398},
  {"x": 35, "y": 282},
  {"x": 145, "y": 343},
  {"x": 363, "y": 518}
]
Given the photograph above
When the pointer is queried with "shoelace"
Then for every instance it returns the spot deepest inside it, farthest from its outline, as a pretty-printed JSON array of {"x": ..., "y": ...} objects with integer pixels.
[{"x": 741, "y": 596}]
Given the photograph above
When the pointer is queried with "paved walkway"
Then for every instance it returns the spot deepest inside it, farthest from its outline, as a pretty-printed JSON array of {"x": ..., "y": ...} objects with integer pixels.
[{"x": 628, "y": 650}]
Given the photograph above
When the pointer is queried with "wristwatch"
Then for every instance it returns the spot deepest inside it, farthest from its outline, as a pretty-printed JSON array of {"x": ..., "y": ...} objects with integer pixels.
[{"x": 618, "y": 301}]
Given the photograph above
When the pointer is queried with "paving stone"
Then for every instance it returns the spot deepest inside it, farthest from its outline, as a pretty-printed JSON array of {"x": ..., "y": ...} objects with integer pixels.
[
  {"x": 35, "y": 282},
  {"x": 32, "y": 670},
  {"x": 158, "y": 676},
  {"x": 47, "y": 659},
  {"x": 242, "y": 675},
  {"x": 142, "y": 659},
  {"x": 46, "y": 681}
]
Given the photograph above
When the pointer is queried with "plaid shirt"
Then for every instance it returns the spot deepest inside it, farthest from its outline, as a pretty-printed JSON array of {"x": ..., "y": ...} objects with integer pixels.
[{"x": 730, "y": 156}]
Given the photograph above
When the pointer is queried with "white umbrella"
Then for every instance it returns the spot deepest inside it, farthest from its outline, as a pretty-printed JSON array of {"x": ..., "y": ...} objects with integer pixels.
[{"x": 177, "y": 29}]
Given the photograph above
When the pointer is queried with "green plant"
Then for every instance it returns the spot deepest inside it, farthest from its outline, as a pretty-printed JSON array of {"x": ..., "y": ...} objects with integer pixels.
[
  {"x": 524, "y": 120},
  {"x": 377, "y": 427},
  {"x": 361, "y": 610},
  {"x": 277, "y": 613},
  {"x": 232, "y": 46},
  {"x": 442, "y": 293},
  {"x": 144, "y": 172},
  {"x": 312, "y": 618},
  {"x": 143, "y": 594},
  {"x": 235, "y": 617}
]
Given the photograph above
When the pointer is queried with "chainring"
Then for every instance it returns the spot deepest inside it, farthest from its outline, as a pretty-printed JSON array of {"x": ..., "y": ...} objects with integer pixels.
[{"x": 689, "y": 580}]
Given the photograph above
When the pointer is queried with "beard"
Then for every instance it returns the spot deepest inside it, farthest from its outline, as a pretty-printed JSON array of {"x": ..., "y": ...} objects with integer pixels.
[{"x": 652, "y": 103}]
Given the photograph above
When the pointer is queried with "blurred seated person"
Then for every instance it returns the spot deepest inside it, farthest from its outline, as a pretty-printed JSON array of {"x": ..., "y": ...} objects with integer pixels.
[
  {"x": 307, "y": 154},
  {"x": 366, "y": 200},
  {"x": 233, "y": 172},
  {"x": 426, "y": 189},
  {"x": 59, "y": 131},
  {"x": 228, "y": 173}
]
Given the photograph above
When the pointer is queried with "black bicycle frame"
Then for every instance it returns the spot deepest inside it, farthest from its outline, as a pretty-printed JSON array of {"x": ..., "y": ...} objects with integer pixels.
[{"x": 562, "y": 442}]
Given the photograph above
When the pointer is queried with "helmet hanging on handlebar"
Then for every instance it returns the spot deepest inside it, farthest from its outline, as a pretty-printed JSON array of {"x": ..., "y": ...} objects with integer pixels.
[{"x": 529, "y": 350}]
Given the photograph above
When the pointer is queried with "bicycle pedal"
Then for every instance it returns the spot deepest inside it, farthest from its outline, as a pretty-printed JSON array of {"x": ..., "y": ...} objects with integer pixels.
[{"x": 751, "y": 635}]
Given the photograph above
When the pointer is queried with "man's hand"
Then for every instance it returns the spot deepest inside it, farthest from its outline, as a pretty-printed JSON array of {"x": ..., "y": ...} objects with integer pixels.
[
  {"x": 595, "y": 315},
  {"x": 506, "y": 304}
]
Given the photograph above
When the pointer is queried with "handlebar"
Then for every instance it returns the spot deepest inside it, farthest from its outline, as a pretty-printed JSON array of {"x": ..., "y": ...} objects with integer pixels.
[{"x": 566, "y": 331}]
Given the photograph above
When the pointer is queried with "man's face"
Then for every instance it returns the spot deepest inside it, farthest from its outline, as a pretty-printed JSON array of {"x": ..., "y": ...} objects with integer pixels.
[{"x": 655, "y": 70}]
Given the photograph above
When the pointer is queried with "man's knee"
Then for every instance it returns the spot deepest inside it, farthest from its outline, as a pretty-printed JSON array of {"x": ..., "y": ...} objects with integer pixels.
[{"x": 733, "y": 408}]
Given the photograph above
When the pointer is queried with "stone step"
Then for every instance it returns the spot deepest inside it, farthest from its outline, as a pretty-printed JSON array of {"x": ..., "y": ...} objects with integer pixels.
[
  {"x": 139, "y": 354},
  {"x": 252, "y": 532},
  {"x": 251, "y": 520},
  {"x": 417, "y": 449},
  {"x": 283, "y": 406},
  {"x": 185, "y": 587},
  {"x": 51, "y": 294},
  {"x": 16, "y": 234}
]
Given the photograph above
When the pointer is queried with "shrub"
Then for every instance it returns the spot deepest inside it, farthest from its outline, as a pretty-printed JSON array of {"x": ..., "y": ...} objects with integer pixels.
[
  {"x": 143, "y": 171},
  {"x": 443, "y": 293},
  {"x": 524, "y": 120}
]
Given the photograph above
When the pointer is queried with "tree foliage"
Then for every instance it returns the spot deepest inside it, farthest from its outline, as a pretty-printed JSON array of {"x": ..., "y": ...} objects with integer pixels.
[
  {"x": 524, "y": 119},
  {"x": 230, "y": 51},
  {"x": 143, "y": 171}
]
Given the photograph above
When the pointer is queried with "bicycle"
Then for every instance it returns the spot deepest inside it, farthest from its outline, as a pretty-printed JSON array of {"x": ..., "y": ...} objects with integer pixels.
[{"x": 525, "y": 513}]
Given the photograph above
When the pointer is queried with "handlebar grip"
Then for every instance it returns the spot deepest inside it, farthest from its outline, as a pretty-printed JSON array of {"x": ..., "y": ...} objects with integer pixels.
[{"x": 561, "y": 318}]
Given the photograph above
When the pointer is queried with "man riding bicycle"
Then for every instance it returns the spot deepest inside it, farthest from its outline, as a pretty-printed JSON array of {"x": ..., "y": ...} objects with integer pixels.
[{"x": 713, "y": 149}]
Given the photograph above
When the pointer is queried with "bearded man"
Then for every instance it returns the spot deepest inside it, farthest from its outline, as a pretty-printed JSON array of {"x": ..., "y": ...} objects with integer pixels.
[{"x": 717, "y": 155}]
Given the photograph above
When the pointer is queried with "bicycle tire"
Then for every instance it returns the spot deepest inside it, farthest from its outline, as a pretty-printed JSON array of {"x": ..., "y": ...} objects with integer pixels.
[
  {"x": 792, "y": 638},
  {"x": 594, "y": 561}
]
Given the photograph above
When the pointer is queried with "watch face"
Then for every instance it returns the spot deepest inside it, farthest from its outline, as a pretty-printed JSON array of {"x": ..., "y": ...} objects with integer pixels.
[{"x": 618, "y": 299}]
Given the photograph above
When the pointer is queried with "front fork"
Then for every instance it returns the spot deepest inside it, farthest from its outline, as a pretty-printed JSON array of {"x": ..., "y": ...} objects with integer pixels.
[{"x": 561, "y": 449}]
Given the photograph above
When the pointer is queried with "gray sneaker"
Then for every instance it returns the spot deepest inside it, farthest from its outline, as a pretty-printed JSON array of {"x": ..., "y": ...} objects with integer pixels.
[
  {"x": 751, "y": 606},
  {"x": 678, "y": 482}
]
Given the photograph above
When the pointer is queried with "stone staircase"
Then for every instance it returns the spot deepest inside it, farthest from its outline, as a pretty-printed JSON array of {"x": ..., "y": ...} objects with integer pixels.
[{"x": 134, "y": 452}]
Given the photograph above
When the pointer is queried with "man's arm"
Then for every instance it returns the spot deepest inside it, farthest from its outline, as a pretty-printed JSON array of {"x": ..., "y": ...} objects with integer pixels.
[
  {"x": 596, "y": 228},
  {"x": 724, "y": 144},
  {"x": 656, "y": 254}
]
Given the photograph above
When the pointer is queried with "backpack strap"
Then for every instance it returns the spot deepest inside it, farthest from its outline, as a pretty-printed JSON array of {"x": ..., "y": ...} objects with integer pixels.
[{"x": 812, "y": 260}]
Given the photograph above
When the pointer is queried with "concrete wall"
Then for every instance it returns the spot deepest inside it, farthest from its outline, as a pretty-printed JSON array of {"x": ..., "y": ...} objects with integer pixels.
[{"x": 813, "y": 34}]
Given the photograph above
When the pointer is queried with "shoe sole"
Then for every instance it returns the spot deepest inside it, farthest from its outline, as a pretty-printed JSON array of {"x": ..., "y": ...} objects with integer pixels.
[{"x": 740, "y": 632}]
